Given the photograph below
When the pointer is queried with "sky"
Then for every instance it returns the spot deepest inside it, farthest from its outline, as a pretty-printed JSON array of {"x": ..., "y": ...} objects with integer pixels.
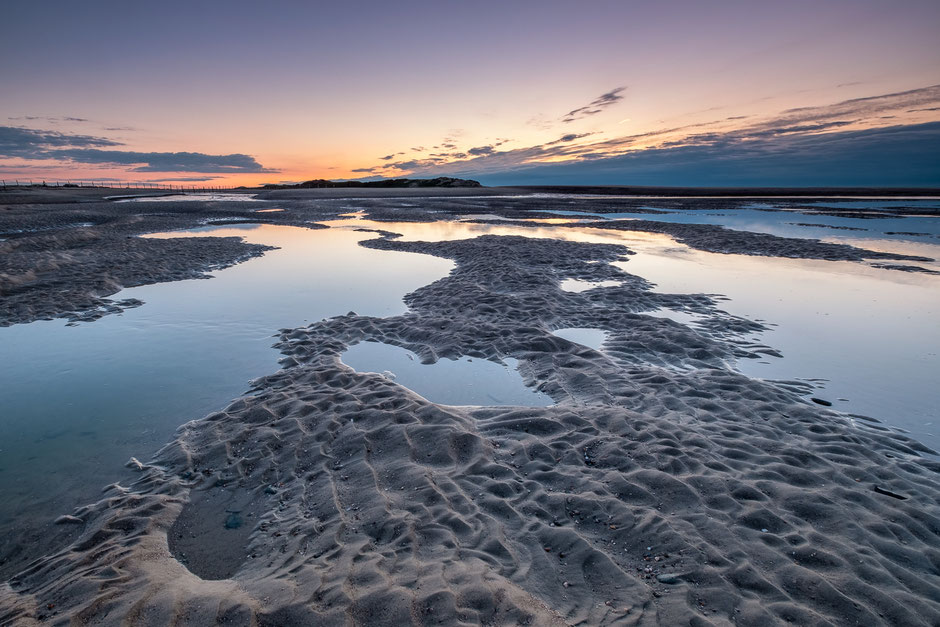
[{"x": 682, "y": 92}]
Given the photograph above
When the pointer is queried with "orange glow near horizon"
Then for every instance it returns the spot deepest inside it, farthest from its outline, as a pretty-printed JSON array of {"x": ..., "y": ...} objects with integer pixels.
[{"x": 251, "y": 96}]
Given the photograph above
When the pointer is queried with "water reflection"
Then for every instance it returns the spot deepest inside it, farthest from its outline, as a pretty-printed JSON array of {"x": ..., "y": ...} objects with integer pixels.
[
  {"x": 190, "y": 198},
  {"x": 464, "y": 381},
  {"x": 871, "y": 333},
  {"x": 585, "y": 336},
  {"x": 791, "y": 223},
  {"x": 578, "y": 285},
  {"x": 77, "y": 402}
]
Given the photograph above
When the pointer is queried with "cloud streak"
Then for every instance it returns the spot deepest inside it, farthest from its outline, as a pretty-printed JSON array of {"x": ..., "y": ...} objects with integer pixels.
[
  {"x": 26, "y": 142},
  {"x": 901, "y": 156},
  {"x": 570, "y": 137},
  {"x": 43, "y": 145},
  {"x": 735, "y": 134},
  {"x": 46, "y": 118},
  {"x": 596, "y": 106}
]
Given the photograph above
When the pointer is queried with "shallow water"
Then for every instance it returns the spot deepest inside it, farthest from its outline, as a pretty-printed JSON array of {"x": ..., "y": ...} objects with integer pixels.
[
  {"x": 463, "y": 381},
  {"x": 121, "y": 385},
  {"x": 577, "y": 285},
  {"x": 871, "y": 335},
  {"x": 192, "y": 197},
  {"x": 585, "y": 336},
  {"x": 868, "y": 335},
  {"x": 787, "y": 223}
]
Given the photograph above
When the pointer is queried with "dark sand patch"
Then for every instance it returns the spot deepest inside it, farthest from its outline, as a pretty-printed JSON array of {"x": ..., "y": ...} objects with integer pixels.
[
  {"x": 70, "y": 274},
  {"x": 210, "y": 536}
]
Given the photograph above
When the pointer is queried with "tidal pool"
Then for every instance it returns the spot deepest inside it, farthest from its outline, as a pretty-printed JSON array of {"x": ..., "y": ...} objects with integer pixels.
[
  {"x": 585, "y": 336},
  {"x": 464, "y": 381},
  {"x": 867, "y": 335},
  {"x": 791, "y": 223},
  {"x": 77, "y": 402},
  {"x": 204, "y": 197},
  {"x": 578, "y": 285}
]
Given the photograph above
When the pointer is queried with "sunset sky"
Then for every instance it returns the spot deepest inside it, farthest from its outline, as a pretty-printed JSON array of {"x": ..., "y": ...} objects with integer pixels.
[{"x": 840, "y": 92}]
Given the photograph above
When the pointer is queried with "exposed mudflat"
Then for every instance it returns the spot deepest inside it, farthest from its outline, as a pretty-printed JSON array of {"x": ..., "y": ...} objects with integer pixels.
[
  {"x": 717, "y": 239},
  {"x": 64, "y": 251},
  {"x": 661, "y": 488}
]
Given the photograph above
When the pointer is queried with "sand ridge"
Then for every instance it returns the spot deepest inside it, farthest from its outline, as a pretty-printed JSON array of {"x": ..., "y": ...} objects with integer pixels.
[{"x": 662, "y": 488}]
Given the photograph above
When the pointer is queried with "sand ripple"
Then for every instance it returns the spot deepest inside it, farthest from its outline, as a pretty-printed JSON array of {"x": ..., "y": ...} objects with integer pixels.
[{"x": 662, "y": 488}]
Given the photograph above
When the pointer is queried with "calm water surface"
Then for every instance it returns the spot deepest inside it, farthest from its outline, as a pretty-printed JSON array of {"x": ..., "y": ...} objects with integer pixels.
[
  {"x": 463, "y": 381},
  {"x": 77, "y": 402}
]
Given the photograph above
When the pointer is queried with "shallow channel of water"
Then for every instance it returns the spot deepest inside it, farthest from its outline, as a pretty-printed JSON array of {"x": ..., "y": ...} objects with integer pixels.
[
  {"x": 463, "y": 381},
  {"x": 76, "y": 402}
]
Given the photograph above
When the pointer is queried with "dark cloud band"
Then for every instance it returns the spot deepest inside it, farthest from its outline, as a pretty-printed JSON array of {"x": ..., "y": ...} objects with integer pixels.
[{"x": 33, "y": 144}]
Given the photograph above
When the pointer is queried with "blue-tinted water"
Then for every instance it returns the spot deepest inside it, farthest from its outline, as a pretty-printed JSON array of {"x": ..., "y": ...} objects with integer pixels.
[
  {"x": 585, "y": 336},
  {"x": 77, "y": 402},
  {"x": 463, "y": 381},
  {"x": 577, "y": 285},
  {"x": 793, "y": 224}
]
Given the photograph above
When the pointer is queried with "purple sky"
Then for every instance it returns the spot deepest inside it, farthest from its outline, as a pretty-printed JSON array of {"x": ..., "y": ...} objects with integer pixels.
[{"x": 615, "y": 92}]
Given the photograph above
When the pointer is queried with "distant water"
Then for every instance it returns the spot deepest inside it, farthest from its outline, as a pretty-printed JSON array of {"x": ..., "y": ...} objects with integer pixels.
[
  {"x": 788, "y": 223},
  {"x": 190, "y": 197}
]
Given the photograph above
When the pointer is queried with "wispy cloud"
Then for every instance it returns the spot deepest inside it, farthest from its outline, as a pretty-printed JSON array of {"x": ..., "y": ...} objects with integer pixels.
[
  {"x": 481, "y": 150},
  {"x": 596, "y": 106},
  {"x": 570, "y": 137},
  {"x": 888, "y": 156},
  {"x": 27, "y": 143},
  {"x": 46, "y": 118},
  {"x": 763, "y": 134},
  {"x": 867, "y": 106},
  {"x": 41, "y": 145},
  {"x": 183, "y": 179},
  {"x": 165, "y": 161}
]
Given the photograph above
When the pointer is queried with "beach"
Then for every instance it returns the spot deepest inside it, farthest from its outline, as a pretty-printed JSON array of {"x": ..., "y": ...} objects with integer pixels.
[{"x": 656, "y": 484}]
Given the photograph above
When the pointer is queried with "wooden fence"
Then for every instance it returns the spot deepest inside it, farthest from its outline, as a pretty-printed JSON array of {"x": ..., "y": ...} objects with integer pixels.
[{"x": 6, "y": 184}]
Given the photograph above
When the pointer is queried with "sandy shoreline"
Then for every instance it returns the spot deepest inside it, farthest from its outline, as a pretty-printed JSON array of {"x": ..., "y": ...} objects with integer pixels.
[
  {"x": 662, "y": 488},
  {"x": 63, "y": 257}
]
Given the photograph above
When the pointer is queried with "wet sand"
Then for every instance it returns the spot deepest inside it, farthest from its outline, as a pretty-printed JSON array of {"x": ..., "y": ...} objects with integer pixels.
[{"x": 661, "y": 488}]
